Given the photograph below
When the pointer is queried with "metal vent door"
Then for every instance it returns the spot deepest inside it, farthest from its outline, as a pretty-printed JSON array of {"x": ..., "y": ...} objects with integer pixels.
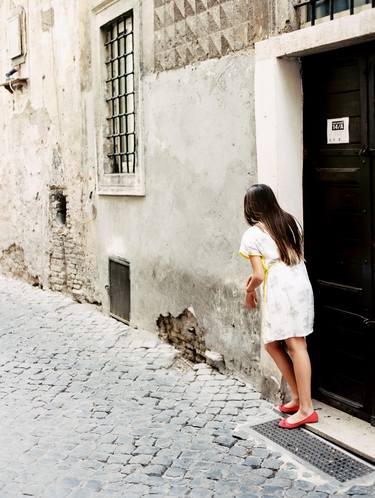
[{"x": 119, "y": 289}]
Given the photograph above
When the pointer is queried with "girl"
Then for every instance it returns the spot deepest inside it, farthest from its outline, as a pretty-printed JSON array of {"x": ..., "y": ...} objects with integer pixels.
[{"x": 273, "y": 244}]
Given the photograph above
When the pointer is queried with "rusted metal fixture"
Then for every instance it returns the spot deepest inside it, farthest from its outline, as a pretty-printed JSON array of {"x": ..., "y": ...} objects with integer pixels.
[{"x": 14, "y": 84}]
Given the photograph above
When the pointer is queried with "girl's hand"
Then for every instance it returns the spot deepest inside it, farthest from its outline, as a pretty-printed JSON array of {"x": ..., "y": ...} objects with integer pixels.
[{"x": 251, "y": 300}]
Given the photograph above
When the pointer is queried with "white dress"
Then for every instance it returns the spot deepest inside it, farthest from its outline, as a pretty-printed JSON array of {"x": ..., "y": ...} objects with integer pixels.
[{"x": 286, "y": 294}]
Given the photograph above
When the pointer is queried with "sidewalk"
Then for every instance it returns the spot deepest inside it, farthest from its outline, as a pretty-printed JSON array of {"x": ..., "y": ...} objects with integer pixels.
[{"x": 92, "y": 408}]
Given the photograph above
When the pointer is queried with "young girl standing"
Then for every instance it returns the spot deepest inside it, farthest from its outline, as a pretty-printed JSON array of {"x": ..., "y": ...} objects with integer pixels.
[{"x": 273, "y": 244}]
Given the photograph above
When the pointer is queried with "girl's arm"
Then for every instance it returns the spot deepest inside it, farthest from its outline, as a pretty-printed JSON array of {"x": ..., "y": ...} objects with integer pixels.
[
  {"x": 254, "y": 281},
  {"x": 257, "y": 276}
]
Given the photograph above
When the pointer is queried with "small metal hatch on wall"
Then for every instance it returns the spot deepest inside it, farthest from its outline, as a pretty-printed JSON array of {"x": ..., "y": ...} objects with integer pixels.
[{"x": 119, "y": 288}]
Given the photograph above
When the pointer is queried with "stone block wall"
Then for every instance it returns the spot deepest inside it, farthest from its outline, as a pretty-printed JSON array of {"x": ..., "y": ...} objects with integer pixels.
[{"x": 188, "y": 31}]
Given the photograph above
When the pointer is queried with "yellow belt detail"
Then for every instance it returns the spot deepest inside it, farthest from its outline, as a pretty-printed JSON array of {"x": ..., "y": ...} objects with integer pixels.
[{"x": 266, "y": 270}]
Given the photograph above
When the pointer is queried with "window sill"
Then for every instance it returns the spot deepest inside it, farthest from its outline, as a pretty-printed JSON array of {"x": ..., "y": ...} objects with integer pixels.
[
  {"x": 121, "y": 190},
  {"x": 121, "y": 184}
]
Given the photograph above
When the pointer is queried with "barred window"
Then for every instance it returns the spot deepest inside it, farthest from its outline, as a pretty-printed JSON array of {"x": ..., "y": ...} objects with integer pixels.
[{"x": 120, "y": 94}]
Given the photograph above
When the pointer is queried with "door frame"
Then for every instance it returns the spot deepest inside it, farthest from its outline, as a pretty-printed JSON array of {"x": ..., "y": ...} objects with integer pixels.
[{"x": 279, "y": 110}]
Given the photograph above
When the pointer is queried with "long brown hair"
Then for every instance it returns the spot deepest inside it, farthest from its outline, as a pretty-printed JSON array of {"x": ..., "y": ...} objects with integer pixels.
[{"x": 261, "y": 206}]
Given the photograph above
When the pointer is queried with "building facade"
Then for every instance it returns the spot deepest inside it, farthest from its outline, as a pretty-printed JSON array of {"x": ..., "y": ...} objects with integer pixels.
[{"x": 130, "y": 131}]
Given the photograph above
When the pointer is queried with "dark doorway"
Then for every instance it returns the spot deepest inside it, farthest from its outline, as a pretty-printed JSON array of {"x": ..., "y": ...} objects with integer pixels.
[{"x": 338, "y": 219}]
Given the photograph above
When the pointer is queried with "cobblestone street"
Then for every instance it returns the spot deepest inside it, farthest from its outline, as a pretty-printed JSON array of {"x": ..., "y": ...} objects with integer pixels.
[{"x": 92, "y": 408}]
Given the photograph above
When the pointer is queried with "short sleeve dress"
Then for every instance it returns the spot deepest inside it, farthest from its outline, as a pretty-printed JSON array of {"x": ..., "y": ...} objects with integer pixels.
[{"x": 286, "y": 294}]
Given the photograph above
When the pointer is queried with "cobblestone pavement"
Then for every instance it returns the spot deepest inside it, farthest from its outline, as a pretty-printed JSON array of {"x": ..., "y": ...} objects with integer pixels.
[{"x": 92, "y": 408}]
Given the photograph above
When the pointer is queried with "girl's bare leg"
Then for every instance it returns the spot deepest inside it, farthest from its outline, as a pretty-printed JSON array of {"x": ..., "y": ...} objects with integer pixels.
[
  {"x": 285, "y": 365},
  {"x": 297, "y": 348}
]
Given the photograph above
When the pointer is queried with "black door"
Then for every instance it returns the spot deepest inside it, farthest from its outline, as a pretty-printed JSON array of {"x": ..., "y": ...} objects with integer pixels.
[{"x": 338, "y": 219}]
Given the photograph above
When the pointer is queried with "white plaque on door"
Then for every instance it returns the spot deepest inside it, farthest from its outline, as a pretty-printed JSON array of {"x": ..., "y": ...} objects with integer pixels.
[{"x": 338, "y": 131}]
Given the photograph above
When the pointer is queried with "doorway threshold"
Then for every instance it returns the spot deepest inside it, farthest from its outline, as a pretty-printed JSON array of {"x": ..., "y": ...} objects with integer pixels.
[{"x": 351, "y": 433}]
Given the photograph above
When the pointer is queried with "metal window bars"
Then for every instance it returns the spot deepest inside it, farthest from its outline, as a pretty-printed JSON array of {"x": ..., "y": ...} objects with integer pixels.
[
  {"x": 322, "y": 8},
  {"x": 119, "y": 45}
]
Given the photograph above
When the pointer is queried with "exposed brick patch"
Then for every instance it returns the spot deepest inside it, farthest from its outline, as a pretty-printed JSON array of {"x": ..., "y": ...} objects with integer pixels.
[
  {"x": 184, "y": 333},
  {"x": 57, "y": 256},
  {"x": 66, "y": 257}
]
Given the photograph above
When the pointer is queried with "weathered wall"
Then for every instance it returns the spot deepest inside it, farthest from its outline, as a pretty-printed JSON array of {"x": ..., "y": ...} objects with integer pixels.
[
  {"x": 182, "y": 237},
  {"x": 41, "y": 151},
  {"x": 200, "y": 155}
]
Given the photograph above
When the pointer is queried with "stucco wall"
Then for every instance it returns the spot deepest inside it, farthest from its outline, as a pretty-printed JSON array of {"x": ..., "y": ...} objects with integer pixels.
[
  {"x": 182, "y": 238},
  {"x": 199, "y": 154}
]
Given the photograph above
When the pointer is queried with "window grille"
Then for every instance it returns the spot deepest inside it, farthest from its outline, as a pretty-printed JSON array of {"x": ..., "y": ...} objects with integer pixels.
[
  {"x": 120, "y": 94},
  {"x": 322, "y": 8}
]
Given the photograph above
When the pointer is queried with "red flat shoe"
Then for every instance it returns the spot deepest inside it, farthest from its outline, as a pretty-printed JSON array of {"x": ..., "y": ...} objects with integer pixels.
[
  {"x": 308, "y": 420},
  {"x": 289, "y": 409}
]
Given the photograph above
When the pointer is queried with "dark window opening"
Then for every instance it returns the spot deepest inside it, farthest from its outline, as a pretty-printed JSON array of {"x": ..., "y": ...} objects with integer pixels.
[{"x": 60, "y": 199}]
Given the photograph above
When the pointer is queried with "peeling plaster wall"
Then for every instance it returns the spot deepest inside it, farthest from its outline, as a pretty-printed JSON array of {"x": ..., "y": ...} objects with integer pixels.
[{"x": 41, "y": 147}]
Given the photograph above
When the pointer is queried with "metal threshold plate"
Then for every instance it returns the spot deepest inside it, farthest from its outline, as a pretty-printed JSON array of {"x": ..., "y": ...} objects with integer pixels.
[{"x": 316, "y": 451}]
